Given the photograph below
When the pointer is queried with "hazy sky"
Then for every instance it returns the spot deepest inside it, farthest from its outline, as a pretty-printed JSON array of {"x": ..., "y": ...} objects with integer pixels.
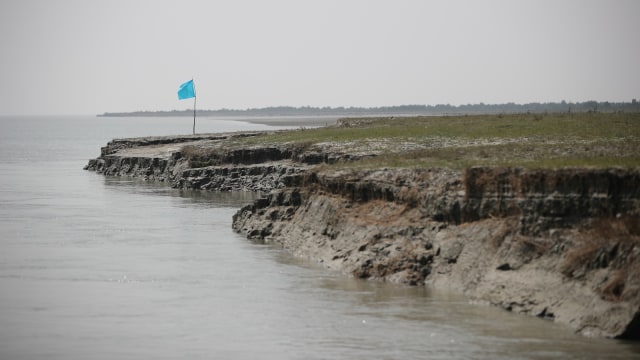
[{"x": 92, "y": 56}]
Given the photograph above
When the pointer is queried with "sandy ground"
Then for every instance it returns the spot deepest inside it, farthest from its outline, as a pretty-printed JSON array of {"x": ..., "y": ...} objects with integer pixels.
[{"x": 302, "y": 121}]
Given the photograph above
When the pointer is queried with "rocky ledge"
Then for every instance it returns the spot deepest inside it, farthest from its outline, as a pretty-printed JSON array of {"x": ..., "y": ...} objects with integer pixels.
[
  {"x": 560, "y": 244},
  {"x": 199, "y": 162}
]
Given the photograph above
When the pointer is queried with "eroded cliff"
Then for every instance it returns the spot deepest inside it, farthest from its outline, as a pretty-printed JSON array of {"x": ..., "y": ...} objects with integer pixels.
[{"x": 561, "y": 244}]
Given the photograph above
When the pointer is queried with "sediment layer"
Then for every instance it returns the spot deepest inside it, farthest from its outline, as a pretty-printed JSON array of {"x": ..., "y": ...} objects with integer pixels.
[{"x": 558, "y": 244}]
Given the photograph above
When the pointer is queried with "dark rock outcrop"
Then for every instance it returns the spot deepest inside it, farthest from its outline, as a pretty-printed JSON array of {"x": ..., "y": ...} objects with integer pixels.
[
  {"x": 203, "y": 162},
  {"x": 263, "y": 178}
]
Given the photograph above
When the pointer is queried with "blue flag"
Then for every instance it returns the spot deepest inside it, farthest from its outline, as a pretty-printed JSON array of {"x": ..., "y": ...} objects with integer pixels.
[{"x": 187, "y": 90}]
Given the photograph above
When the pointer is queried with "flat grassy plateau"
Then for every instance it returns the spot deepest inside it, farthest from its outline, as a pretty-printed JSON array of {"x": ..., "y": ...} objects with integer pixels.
[{"x": 595, "y": 140}]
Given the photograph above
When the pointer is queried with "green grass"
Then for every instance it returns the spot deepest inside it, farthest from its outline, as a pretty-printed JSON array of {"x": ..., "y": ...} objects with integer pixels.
[
  {"x": 528, "y": 140},
  {"x": 584, "y": 125}
]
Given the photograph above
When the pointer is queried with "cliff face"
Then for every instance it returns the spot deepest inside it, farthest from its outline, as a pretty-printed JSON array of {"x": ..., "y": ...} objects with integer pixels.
[
  {"x": 562, "y": 245},
  {"x": 181, "y": 162},
  {"x": 557, "y": 244}
]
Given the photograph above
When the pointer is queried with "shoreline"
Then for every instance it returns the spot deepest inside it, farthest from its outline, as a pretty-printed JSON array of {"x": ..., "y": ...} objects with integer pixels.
[
  {"x": 558, "y": 244},
  {"x": 296, "y": 121}
]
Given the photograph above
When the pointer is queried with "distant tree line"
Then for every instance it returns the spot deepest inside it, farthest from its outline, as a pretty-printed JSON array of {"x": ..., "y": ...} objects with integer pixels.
[{"x": 440, "y": 109}]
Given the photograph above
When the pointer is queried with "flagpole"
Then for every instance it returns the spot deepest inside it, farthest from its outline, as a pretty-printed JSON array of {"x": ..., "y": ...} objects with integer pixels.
[{"x": 194, "y": 106}]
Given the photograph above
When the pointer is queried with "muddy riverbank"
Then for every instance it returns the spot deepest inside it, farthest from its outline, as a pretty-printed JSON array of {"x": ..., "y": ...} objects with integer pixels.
[{"x": 558, "y": 243}]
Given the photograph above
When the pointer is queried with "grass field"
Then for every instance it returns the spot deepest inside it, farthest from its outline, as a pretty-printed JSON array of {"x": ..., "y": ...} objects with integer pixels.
[{"x": 526, "y": 140}]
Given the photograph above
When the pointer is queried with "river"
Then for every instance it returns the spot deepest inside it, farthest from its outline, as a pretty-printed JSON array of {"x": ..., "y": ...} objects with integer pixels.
[{"x": 95, "y": 267}]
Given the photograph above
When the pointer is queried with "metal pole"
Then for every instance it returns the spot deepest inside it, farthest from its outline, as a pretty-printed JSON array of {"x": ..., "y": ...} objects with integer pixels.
[
  {"x": 194, "y": 115},
  {"x": 194, "y": 107}
]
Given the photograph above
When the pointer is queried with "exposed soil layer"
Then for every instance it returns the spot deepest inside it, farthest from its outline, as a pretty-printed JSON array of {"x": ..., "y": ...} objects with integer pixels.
[{"x": 558, "y": 244}]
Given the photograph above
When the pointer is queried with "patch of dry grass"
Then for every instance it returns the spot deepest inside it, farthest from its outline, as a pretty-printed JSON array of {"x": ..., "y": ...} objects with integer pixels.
[
  {"x": 199, "y": 156},
  {"x": 608, "y": 243}
]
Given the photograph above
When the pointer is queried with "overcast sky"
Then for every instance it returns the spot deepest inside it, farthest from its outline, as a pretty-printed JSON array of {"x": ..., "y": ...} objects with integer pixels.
[{"x": 94, "y": 56}]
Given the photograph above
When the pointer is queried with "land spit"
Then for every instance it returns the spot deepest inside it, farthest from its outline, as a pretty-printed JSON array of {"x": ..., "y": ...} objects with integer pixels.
[{"x": 557, "y": 243}]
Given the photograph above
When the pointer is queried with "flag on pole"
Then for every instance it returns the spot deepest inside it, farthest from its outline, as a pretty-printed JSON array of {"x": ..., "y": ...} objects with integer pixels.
[{"x": 186, "y": 90}]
